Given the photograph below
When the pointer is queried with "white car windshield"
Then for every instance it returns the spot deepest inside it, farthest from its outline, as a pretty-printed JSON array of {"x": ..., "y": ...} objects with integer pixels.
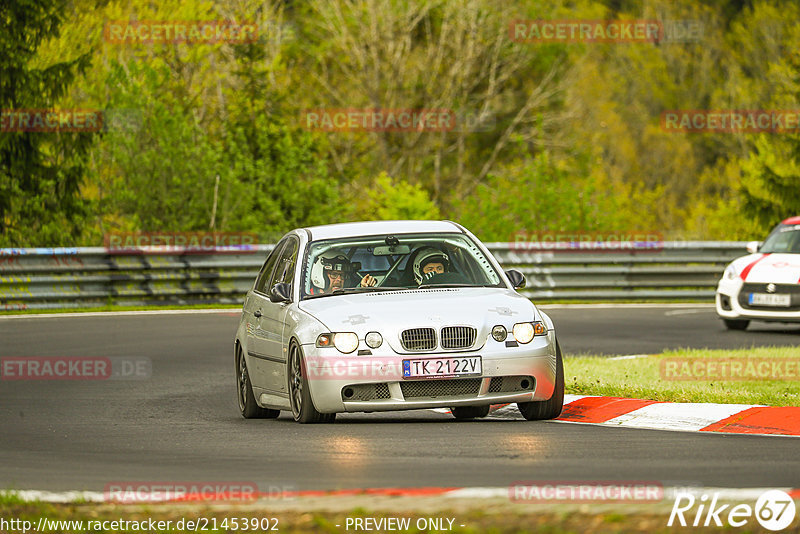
[
  {"x": 783, "y": 239},
  {"x": 398, "y": 262}
]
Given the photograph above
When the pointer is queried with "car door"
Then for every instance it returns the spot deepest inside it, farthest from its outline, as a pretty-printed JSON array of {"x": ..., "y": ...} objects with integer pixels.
[
  {"x": 255, "y": 303},
  {"x": 272, "y": 320}
]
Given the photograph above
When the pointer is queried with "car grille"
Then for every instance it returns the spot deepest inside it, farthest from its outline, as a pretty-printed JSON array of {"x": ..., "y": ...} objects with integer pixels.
[
  {"x": 440, "y": 388},
  {"x": 458, "y": 337},
  {"x": 366, "y": 392},
  {"x": 418, "y": 339},
  {"x": 780, "y": 289},
  {"x": 510, "y": 384}
]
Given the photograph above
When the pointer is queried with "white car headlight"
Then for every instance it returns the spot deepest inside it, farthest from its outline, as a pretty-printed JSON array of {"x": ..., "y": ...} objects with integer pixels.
[
  {"x": 373, "y": 339},
  {"x": 525, "y": 332},
  {"x": 346, "y": 342},
  {"x": 730, "y": 273}
]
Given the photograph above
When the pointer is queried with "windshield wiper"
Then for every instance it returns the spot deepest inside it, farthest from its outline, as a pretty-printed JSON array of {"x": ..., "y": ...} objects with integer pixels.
[
  {"x": 355, "y": 290},
  {"x": 430, "y": 286}
]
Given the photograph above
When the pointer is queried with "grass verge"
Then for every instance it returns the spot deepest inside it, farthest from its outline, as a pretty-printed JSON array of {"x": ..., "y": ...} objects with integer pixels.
[
  {"x": 661, "y": 377},
  {"x": 112, "y": 308}
]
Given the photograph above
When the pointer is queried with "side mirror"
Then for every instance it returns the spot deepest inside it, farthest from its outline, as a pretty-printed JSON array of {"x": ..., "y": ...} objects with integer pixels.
[
  {"x": 516, "y": 278},
  {"x": 281, "y": 292},
  {"x": 752, "y": 246}
]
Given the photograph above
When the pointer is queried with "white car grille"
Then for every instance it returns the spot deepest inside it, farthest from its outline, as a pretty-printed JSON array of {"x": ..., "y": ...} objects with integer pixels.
[
  {"x": 458, "y": 337},
  {"x": 452, "y": 338},
  {"x": 440, "y": 388},
  {"x": 418, "y": 339}
]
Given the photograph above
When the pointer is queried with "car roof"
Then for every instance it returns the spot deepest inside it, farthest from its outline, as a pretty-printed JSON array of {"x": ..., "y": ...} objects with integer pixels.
[
  {"x": 333, "y": 231},
  {"x": 792, "y": 220}
]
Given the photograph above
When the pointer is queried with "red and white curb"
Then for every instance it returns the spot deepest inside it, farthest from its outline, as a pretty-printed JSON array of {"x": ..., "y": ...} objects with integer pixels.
[
  {"x": 665, "y": 493},
  {"x": 685, "y": 416}
]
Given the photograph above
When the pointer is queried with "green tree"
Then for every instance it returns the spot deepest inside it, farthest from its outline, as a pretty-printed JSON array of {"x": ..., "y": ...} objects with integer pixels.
[
  {"x": 390, "y": 199},
  {"x": 40, "y": 172}
]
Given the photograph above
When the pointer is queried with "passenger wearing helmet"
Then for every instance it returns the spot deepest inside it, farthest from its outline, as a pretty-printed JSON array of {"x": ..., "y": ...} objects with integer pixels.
[
  {"x": 430, "y": 262},
  {"x": 332, "y": 270}
]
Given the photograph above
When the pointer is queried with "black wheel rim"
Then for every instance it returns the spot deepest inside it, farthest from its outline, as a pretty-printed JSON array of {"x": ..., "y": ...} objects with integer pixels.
[
  {"x": 241, "y": 379},
  {"x": 295, "y": 382}
]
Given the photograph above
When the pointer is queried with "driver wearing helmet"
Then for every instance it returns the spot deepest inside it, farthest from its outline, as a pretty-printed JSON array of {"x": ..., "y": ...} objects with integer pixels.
[
  {"x": 430, "y": 262},
  {"x": 331, "y": 271}
]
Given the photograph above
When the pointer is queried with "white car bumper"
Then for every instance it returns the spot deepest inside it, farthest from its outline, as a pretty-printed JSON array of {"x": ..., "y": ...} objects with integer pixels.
[
  {"x": 351, "y": 383},
  {"x": 729, "y": 305}
]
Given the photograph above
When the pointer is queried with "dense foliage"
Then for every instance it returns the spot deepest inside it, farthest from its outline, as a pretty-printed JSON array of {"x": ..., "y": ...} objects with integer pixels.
[{"x": 568, "y": 136}]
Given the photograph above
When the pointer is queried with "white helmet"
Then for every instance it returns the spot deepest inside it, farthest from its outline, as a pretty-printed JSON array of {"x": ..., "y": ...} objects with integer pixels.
[
  {"x": 330, "y": 260},
  {"x": 429, "y": 255}
]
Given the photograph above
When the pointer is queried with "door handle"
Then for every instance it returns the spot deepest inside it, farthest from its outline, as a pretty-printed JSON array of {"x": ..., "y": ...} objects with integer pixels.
[{"x": 257, "y": 313}]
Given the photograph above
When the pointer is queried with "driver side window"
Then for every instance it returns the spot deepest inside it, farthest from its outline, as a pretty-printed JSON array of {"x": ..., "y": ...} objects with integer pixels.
[
  {"x": 269, "y": 266},
  {"x": 284, "y": 272}
]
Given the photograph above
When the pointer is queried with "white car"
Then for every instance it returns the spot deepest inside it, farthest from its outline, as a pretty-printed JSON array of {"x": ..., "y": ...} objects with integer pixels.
[
  {"x": 764, "y": 285},
  {"x": 392, "y": 315}
]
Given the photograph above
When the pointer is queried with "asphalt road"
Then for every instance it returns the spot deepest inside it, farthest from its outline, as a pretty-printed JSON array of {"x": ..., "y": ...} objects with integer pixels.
[{"x": 182, "y": 424}]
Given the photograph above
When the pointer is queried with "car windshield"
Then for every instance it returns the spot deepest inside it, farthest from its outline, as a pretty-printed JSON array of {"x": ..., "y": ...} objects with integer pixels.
[
  {"x": 785, "y": 238},
  {"x": 410, "y": 261}
]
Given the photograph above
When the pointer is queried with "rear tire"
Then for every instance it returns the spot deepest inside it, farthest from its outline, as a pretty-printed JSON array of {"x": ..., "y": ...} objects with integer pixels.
[
  {"x": 303, "y": 409},
  {"x": 736, "y": 324},
  {"x": 549, "y": 409},
  {"x": 463, "y": 413},
  {"x": 247, "y": 401}
]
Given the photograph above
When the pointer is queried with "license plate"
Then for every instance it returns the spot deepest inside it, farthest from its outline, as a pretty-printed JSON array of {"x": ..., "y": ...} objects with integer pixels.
[
  {"x": 430, "y": 367},
  {"x": 767, "y": 299}
]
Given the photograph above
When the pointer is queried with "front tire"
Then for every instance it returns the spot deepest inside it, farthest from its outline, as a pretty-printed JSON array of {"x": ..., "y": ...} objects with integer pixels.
[
  {"x": 247, "y": 401},
  {"x": 736, "y": 324},
  {"x": 463, "y": 413},
  {"x": 303, "y": 409},
  {"x": 549, "y": 409}
]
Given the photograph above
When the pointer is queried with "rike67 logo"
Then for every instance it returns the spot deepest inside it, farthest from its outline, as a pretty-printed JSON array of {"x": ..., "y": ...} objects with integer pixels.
[{"x": 774, "y": 510}]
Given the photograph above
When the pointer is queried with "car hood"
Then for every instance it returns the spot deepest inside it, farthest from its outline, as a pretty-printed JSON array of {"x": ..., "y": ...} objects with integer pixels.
[
  {"x": 392, "y": 312},
  {"x": 766, "y": 268}
]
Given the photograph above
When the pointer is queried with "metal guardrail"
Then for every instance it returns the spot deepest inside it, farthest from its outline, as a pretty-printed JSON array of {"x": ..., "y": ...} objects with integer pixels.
[{"x": 52, "y": 278}]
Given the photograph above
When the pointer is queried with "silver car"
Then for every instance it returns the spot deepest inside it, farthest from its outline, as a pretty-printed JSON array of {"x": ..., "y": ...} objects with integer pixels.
[{"x": 392, "y": 315}]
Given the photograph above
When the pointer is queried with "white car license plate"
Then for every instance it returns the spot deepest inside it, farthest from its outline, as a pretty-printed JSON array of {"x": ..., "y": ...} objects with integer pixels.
[
  {"x": 430, "y": 367},
  {"x": 767, "y": 299}
]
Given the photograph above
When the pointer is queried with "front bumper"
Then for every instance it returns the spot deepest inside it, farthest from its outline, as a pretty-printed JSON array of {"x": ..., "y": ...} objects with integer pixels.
[
  {"x": 731, "y": 303},
  {"x": 351, "y": 383}
]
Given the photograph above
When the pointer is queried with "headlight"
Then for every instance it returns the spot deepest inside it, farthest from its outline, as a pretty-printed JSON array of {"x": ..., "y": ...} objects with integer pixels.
[
  {"x": 499, "y": 333},
  {"x": 730, "y": 273},
  {"x": 373, "y": 340},
  {"x": 346, "y": 342},
  {"x": 524, "y": 332}
]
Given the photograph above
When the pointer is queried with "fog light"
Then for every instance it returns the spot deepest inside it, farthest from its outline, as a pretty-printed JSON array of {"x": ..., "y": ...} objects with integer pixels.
[
  {"x": 499, "y": 333},
  {"x": 373, "y": 340}
]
